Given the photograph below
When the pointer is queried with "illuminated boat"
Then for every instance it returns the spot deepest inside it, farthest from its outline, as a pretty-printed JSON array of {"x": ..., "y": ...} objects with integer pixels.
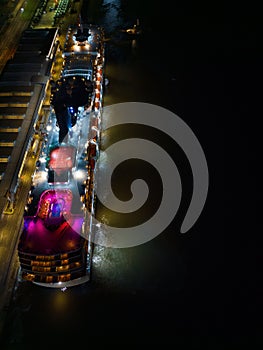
[
  {"x": 50, "y": 247},
  {"x": 135, "y": 30},
  {"x": 54, "y": 248},
  {"x": 81, "y": 76}
]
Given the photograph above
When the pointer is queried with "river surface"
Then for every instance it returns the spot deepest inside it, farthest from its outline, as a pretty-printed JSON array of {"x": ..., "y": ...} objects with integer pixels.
[{"x": 167, "y": 290}]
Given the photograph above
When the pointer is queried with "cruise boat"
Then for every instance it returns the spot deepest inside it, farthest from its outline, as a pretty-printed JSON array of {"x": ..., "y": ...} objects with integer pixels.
[{"x": 54, "y": 248}]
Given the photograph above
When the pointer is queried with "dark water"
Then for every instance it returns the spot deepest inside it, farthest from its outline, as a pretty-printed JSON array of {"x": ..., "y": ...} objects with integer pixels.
[{"x": 170, "y": 290}]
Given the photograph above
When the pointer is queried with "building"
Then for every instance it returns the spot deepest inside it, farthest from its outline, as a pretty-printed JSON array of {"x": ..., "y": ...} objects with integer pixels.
[{"x": 23, "y": 83}]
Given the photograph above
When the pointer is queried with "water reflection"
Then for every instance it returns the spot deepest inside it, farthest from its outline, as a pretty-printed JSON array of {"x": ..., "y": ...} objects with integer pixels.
[{"x": 112, "y": 18}]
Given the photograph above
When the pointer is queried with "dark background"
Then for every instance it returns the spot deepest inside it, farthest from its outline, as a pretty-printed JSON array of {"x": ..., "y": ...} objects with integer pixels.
[{"x": 214, "y": 52}]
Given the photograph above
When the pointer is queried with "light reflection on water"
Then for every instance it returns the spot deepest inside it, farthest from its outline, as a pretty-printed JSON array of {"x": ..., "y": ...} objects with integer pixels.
[{"x": 112, "y": 17}]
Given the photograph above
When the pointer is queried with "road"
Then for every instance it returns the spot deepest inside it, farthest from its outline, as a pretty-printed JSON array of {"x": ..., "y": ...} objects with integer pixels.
[
  {"x": 10, "y": 225},
  {"x": 10, "y": 229},
  {"x": 12, "y": 33}
]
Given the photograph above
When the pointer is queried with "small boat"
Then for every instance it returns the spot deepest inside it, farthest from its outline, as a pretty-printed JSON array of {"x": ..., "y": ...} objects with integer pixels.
[{"x": 135, "y": 30}]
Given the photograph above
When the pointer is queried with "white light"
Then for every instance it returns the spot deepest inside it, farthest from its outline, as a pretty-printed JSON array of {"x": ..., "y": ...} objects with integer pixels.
[
  {"x": 96, "y": 259},
  {"x": 80, "y": 175},
  {"x": 40, "y": 177},
  {"x": 77, "y": 48},
  {"x": 42, "y": 159}
]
